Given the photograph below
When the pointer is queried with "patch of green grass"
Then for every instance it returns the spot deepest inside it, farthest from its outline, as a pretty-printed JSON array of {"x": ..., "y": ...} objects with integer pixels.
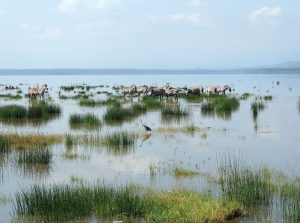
[
  {"x": 193, "y": 98},
  {"x": 174, "y": 110},
  {"x": 268, "y": 98},
  {"x": 181, "y": 172},
  {"x": 10, "y": 96},
  {"x": 71, "y": 202},
  {"x": 75, "y": 97},
  {"x": 117, "y": 113},
  {"x": 245, "y": 96},
  {"x": 35, "y": 156},
  {"x": 120, "y": 142},
  {"x": 16, "y": 141},
  {"x": 13, "y": 112},
  {"x": 84, "y": 121},
  {"x": 4, "y": 144},
  {"x": 151, "y": 102},
  {"x": 256, "y": 107},
  {"x": 222, "y": 106},
  {"x": 243, "y": 184}
]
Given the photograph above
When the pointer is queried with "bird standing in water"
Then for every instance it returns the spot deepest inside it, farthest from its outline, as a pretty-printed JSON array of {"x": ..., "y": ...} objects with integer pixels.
[{"x": 147, "y": 128}]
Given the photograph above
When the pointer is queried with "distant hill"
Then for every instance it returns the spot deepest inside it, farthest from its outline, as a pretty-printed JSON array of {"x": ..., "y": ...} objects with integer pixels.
[{"x": 289, "y": 64}]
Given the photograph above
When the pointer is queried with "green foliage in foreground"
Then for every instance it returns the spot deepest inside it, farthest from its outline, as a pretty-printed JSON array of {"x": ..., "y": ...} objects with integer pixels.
[{"x": 71, "y": 202}]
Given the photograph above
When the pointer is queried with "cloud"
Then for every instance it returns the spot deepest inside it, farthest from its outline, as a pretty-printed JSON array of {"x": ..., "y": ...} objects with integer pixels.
[
  {"x": 193, "y": 18},
  {"x": 72, "y": 6},
  {"x": 52, "y": 33},
  {"x": 266, "y": 15},
  {"x": 3, "y": 12}
]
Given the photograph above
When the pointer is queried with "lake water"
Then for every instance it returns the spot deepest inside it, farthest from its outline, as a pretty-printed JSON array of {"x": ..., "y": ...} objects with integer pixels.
[{"x": 273, "y": 140}]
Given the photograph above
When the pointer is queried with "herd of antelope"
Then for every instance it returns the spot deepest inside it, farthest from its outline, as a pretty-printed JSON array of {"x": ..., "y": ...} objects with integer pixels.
[{"x": 173, "y": 92}]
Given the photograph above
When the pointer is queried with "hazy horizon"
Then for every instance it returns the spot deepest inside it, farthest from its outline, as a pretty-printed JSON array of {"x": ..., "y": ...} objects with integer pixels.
[{"x": 131, "y": 34}]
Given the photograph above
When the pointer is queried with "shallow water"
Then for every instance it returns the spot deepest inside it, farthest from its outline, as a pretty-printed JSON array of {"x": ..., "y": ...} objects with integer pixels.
[{"x": 274, "y": 142}]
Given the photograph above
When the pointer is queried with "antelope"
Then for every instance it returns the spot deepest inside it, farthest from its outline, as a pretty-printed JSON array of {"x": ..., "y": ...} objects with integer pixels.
[
  {"x": 128, "y": 90},
  {"x": 38, "y": 91},
  {"x": 195, "y": 90},
  {"x": 223, "y": 89}
]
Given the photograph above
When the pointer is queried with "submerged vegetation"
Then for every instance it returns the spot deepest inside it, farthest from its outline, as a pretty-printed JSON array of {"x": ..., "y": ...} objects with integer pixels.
[
  {"x": 70, "y": 202},
  {"x": 174, "y": 110},
  {"x": 42, "y": 156},
  {"x": 180, "y": 172}
]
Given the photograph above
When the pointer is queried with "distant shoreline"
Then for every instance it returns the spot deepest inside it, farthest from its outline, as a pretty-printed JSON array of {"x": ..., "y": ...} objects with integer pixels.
[{"x": 70, "y": 71}]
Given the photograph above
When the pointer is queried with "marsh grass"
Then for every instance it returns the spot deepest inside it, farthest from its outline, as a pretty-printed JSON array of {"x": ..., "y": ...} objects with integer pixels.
[
  {"x": 174, "y": 110},
  {"x": 189, "y": 129},
  {"x": 42, "y": 156},
  {"x": 19, "y": 142},
  {"x": 248, "y": 186},
  {"x": 220, "y": 105},
  {"x": 41, "y": 110},
  {"x": 290, "y": 200},
  {"x": 70, "y": 202},
  {"x": 74, "y": 97},
  {"x": 193, "y": 98},
  {"x": 4, "y": 144},
  {"x": 117, "y": 113},
  {"x": 90, "y": 103},
  {"x": 151, "y": 102},
  {"x": 256, "y": 107},
  {"x": 245, "y": 96},
  {"x": 11, "y": 97},
  {"x": 181, "y": 172},
  {"x": 120, "y": 143},
  {"x": 268, "y": 98},
  {"x": 89, "y": 121}
]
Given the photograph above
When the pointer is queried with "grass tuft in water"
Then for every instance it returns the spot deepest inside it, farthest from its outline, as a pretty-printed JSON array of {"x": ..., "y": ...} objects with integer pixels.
[
  {"x": 11, "y": 97},
  {"x": 268, "y": 98},
  {"x": 151, "y": 102},
  {"x": 120, "y": 142},
  {"x": 174, "y": 110},
  {"x": 84, "y": 121},
  {"x": 245, "y": 96},
  {"x": 70, "y": 202},
  {"x": 181, "y": 172},
  {"x": 117, "y": 113},
  {"x": 4, "y": 144},
  {"x": 243, "y": 184},
  {"x": 41, "y": 156}
]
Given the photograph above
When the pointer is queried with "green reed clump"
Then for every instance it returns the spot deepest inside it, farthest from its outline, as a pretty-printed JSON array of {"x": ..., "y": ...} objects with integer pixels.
[
  {"x": 268, "y": 98},
  {"x": 35, "y": 156},
  {"x": 245, "y": 96},
  {"x": 89, "y": 103},
  {"x": 70, "y": 141},
  {"x": 244, "y": 184},
  {"x": 76, "y": 201},
  {"x": 13, "y": 112},
  {"x": 193, "y": 98},
  {"x": 10, "y": 96},
  {"x": 181, "y": 172},
  {"x": 84, "y": 121},
  {"x": 256, "y": 107},
  {"x": 290, "y": 200},
  {"x": 151, "y": 102},
  {"x": 174, "y": 110},
  {"x": 220, "y": 105},
  {"x": 120, "y": 142},
  {"x": 117, "y": 113},
  {"x": 67, "y": 88},
  {"x": 4, "y": 144}
]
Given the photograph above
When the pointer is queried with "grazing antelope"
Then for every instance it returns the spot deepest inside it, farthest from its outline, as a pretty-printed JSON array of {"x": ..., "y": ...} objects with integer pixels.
[
  {"x": 211, "y": 89},
  {"x": 128, "y": 90},
  {"x": 195, "y": 90},
  {"x": 33, "y": 92},
  {"x": 157, "y": 92},
  {"x": 223, "y": 89},
  {"x": 171, "y": 92},
  {"x": 142, "y": 90}
]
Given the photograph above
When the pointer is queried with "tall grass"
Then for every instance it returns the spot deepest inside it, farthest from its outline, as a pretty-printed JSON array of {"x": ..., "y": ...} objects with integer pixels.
[
  {"x": 222, "y": 106},
  {"x": 84, "y": 121},
  {"x": 4, "y": 144},
  {"x": 71, "y": 202},
  {"x": 37, "y": 111},
  {"x": 10, "y": 96},
  {"x": 151, "y": 102},
  {"x": 174, "y": 110},
  {"x": 117, "y": 113},
  {"x": 120, "y": 143},
  {"x": 256, "y": 107},
  {"x": 17, "y": 141},
  {"x": 243, "y": 184},
  {"x": 35, "y": 156}
]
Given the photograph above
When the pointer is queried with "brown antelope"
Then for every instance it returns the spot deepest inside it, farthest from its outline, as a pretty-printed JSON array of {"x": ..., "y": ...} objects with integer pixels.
[{"x": 33, "y": 92}]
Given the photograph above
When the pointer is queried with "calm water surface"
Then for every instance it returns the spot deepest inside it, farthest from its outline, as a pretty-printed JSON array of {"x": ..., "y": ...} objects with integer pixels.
[{"x": 273, "y": 141}]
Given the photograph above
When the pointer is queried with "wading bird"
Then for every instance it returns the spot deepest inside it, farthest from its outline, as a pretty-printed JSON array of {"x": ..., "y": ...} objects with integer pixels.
[{"x": 145, "y": 126}]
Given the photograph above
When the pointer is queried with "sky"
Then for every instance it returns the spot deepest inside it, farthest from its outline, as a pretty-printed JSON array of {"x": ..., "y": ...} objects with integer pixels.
[{"x": 148, "y": 34}]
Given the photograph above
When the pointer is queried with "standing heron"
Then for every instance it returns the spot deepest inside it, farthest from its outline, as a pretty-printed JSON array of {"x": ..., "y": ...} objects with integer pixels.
[{"x": 147, "y": 128}]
